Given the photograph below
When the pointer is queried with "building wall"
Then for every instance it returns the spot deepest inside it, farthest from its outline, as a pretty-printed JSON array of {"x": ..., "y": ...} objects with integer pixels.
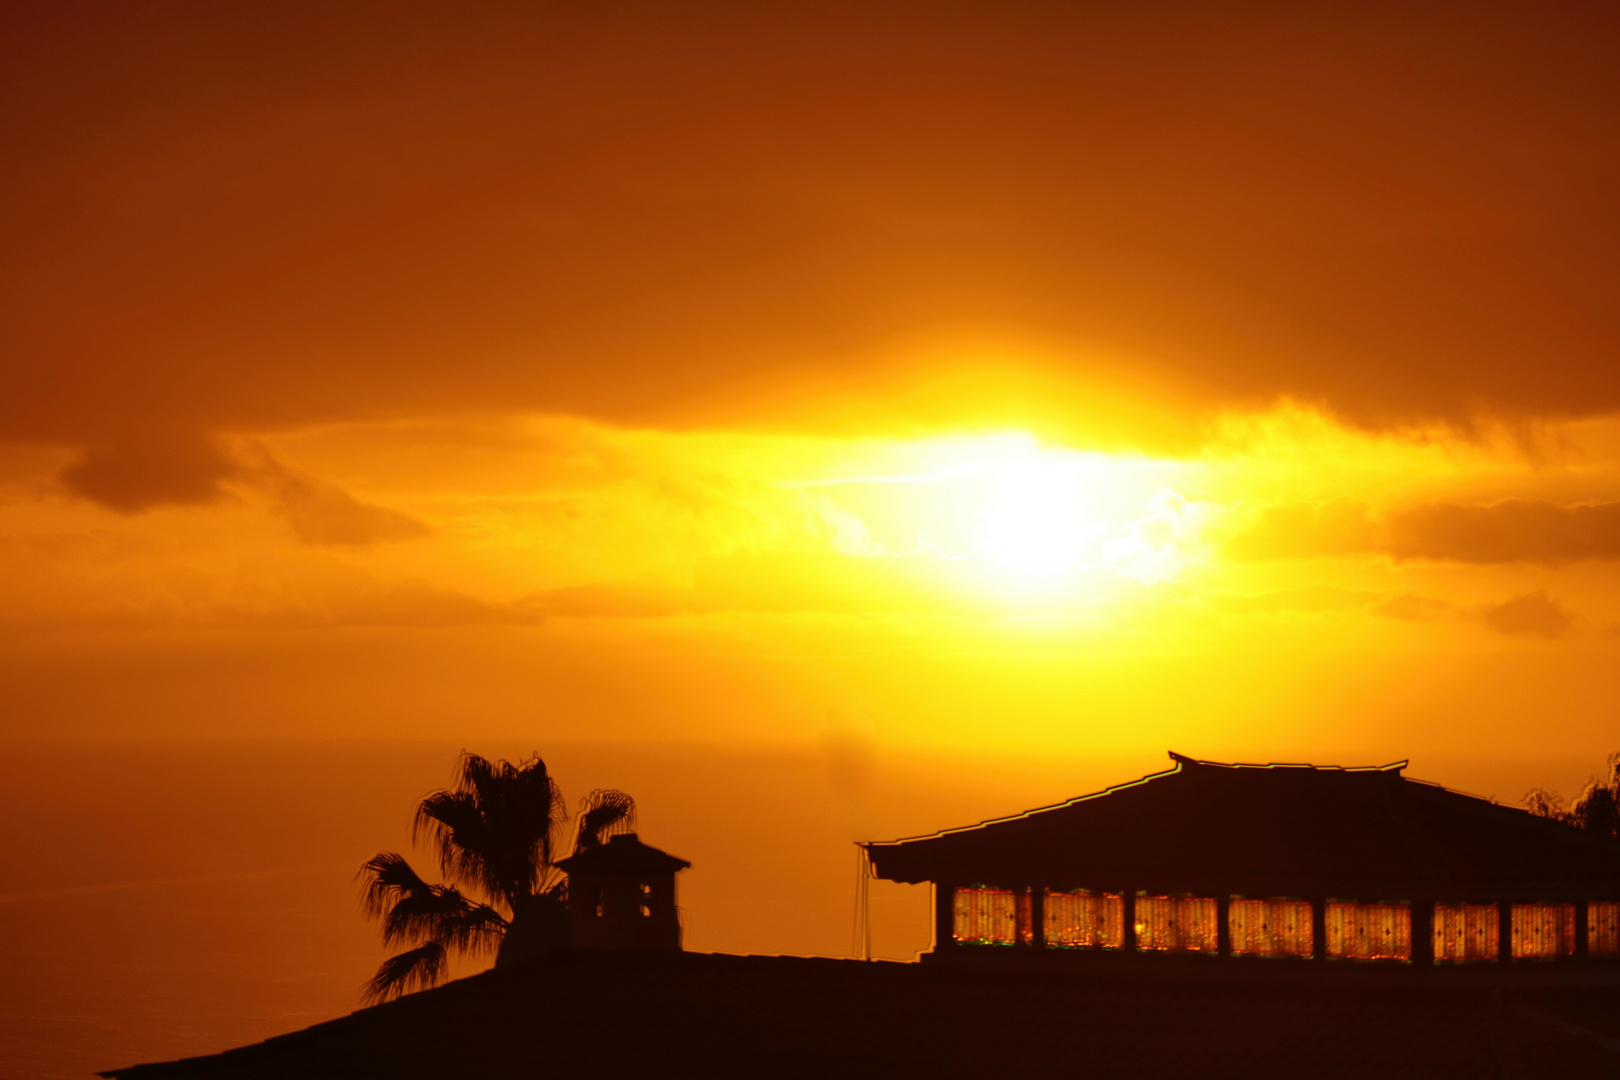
[
  {"x": 980, "y": 916},
  {"x": 614, "y": 912}
]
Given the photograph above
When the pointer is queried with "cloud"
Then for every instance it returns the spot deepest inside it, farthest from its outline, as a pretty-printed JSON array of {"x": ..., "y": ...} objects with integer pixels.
[
  {"x": 322, "y": 513},
  {"x": 1316, "y": 599},
  {"x": 1514, "y": 530},
  {"x": 610, "y": 600},
  {"x": 779, "y": 582},
  {"x": 1510, "y": 531},
  {"x": 782, "y": 582},
  {"x": 137, "y": 473},
  {"x": 271, "y": 234},
  {"x": 1531, "y": 615},
  {"x": 789, "y": 583},
  {"x": 1410, "y": 608},
  {"x": 1307, "y": 530},
  {"x": 408, "y": 603}
]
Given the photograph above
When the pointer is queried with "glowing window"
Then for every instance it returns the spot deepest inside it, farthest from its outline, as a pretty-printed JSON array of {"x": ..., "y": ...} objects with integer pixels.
[
  {"x": 1543, "y": 931},
  {"x": 1368, "y": 931},
  {"x": 985, "y": 916},
  {"x": 1603, "y": 928},
  {"x": 1465, "y": 933},
  {"x": 1271, "y": 928},
  {"x": 1084, "y": 920},
  {"x": 1176, "y": 924}
]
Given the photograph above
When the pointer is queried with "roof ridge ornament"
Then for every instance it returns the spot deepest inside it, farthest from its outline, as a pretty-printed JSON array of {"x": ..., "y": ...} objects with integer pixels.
[{"x": 1183, "y": 762}]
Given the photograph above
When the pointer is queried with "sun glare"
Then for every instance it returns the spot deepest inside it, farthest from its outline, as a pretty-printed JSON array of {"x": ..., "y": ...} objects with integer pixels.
[
  {"x": 1032, "y": 511},
  {"x": 1039, "y": 523}
]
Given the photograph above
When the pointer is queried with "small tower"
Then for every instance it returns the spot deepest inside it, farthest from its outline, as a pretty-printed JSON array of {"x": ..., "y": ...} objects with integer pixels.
[{"x": 621, "y": 895}]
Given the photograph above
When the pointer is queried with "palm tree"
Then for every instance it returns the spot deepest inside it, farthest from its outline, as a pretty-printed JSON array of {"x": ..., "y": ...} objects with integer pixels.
[{"x": 494, "y": 834}]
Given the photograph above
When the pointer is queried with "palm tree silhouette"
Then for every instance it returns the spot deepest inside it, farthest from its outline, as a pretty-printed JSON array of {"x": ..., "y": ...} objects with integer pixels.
[{"x": 494, "y": 834}]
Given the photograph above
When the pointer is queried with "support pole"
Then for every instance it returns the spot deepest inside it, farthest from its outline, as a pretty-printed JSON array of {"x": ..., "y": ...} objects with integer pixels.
[
  {"x": 861, "y": 948},
  {"x": 1037, "y": 916},
  {"x": 944, "y": 917},
  {"x": 1423, "y": 932},
  {"x": 866, "y": 906},
  {"x": 1319, "y": 928},
  {"x": 1582, "y": 928},
  {"x": 1504, "y": 930},
  {"x": 1223, "y": 925},
  {"x": 1128, "y": 940}
]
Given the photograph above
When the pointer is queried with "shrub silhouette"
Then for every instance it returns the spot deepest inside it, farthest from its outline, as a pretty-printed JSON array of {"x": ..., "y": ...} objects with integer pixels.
[
  {"x": 1595, "y": 809},
  {"x": 494, "y": 835}
]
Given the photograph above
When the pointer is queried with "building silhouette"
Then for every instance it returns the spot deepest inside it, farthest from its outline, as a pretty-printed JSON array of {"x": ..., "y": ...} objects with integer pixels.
[
  {"x": 621, "y": 895},
  {"x": 1312, "y": 863}
]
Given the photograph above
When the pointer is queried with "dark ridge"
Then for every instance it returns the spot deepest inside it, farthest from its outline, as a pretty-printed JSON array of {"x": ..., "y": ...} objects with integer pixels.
[{"x": 605, "y": 1014}]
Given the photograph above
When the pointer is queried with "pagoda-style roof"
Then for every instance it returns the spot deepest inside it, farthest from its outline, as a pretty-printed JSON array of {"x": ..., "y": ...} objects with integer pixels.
[
  {"x": 1271, "y": 830},
  {"x": 623, "y": 854}
]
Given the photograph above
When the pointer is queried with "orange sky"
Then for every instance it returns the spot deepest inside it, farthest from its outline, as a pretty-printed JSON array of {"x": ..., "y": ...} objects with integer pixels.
[
  {"x": 546, "y": 342},
  {"x": 946, "y": 382}
]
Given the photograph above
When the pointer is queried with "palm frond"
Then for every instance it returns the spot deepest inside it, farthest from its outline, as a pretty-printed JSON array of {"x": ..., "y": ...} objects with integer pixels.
[
  {"x": 416, "y": 969},
  {"x": 473, "y": 770},
  {"x": 603, "y": 810},
  {"x": 387, "y": 880},
  {"x": 443, "y": 915},
  {"x": 455, "y": 827},
  {"x": 523, "y": 802},
  {"x": 475, "y": 931},
  {"x": 495, "y": 829}
]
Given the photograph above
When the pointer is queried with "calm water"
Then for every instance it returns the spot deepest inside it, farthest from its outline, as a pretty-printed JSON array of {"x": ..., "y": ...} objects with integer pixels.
[{"x": 163, "y": 901}]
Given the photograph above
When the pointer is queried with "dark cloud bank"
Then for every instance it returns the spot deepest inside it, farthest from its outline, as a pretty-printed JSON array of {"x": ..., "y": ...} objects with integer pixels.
[
  {"x": 1510, "y": 531},
  {"x": 139, "y": 474},
  {"x": 235, "y": 217}
]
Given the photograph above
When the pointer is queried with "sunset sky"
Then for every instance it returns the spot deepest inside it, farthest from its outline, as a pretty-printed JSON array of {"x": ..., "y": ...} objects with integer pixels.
[{"x": 1055, "y": 384}]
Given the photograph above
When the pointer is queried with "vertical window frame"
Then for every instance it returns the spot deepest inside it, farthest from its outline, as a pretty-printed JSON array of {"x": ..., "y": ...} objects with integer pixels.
[{"x": 1603, "y": 927}]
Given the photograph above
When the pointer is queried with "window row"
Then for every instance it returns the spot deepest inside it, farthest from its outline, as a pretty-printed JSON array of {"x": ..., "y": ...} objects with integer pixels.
[{"x": 1462, "y": 933}]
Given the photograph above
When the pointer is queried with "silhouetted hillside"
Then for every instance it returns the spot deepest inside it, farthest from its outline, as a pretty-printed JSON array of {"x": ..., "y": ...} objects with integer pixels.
[{"x": 638, "y": 1015}]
